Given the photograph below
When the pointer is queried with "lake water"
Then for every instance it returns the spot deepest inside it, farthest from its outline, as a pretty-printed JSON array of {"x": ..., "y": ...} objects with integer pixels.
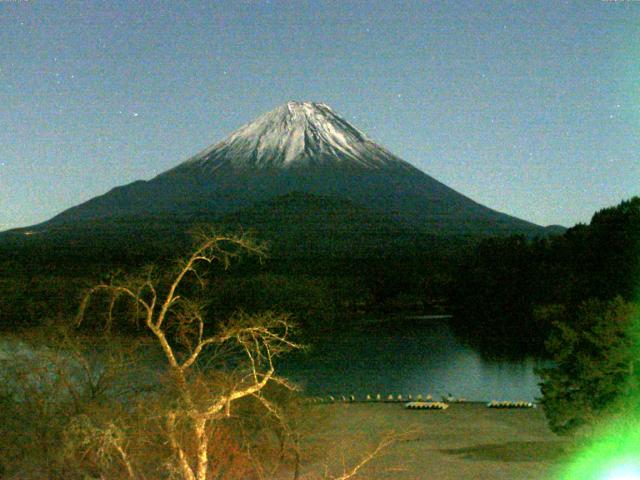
[
  {"x": 393, "y": 357},
  {"x": 407, "y": 358}
]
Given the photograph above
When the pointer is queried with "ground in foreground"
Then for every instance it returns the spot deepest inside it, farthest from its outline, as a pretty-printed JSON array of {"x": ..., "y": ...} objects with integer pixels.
[{"x": 466, "y": 441}]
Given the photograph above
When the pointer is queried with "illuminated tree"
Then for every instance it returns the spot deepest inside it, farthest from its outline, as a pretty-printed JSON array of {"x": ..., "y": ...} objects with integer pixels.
[{"x": 203, "y": 396}]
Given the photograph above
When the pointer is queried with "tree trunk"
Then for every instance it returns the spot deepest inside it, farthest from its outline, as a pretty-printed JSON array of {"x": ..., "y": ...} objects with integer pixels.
[
  {"x": 185, "y": 468},
  {"x": 202, "y": 445}
]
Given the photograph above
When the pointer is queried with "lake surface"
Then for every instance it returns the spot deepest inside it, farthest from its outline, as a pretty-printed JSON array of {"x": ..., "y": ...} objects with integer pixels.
[
  {"x": 397, "y": 356},
  {"x": 407, "y": 358}
]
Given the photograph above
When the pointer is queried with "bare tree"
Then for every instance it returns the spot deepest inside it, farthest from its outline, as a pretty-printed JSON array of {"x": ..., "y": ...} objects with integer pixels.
[{"x": 177, "y": 324}]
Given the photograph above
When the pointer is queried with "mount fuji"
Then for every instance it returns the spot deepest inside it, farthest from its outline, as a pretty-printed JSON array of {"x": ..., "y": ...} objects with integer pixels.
[{"x": 298, "y": 154}]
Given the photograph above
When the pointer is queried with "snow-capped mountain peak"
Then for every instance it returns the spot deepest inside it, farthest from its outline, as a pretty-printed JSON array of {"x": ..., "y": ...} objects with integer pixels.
[
  {"x": 298, "y": 148},
  {"x": 294, "y": 135}
]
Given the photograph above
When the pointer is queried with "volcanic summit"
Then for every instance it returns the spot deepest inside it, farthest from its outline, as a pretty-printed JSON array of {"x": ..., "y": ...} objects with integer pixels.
[
  {"x": 294, "y": 135},
  {"x": 300, "y": 148}
]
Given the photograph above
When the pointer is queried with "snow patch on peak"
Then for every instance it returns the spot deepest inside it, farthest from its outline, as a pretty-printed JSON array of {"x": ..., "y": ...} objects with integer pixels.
[
  {"x": 293, "y": 135},
  {"x": 306, "y": 106}
]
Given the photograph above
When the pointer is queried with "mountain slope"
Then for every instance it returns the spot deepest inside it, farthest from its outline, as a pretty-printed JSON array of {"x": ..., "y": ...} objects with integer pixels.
[
  {"x": 300, "y": 224},
  {"x": 297, "y": 147}
]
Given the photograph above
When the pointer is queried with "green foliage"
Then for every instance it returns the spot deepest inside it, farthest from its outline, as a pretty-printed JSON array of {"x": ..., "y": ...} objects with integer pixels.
[
  {"x": 594, "y": 350},
  {"x": 497, "y": 289},
  {"x": 612, "y": 260}
]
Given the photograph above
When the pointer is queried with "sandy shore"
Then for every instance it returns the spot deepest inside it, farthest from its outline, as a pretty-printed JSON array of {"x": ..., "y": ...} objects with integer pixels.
[{"x": 466, "y": 441}]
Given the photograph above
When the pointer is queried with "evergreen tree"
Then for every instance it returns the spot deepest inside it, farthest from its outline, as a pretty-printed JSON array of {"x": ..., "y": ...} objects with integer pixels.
[{"x": 594, "y": 371}]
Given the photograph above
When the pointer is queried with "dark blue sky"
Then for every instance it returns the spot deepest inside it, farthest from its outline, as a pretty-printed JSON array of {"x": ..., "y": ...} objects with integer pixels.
[{"x": 531, "y": 108}]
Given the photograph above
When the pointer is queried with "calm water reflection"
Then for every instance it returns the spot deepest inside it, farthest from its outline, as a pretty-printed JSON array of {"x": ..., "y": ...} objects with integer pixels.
[{"x": 405, "y": 358}]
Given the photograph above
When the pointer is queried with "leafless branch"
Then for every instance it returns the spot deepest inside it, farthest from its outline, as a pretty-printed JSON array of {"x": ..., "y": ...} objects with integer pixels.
[
  {"x": 384, "y": 443},
  {"x": 178, "y": 325}
]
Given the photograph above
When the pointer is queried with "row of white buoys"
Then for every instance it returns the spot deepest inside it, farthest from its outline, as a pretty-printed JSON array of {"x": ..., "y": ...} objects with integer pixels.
[
  {"x": 369, "y": 398},
  {"x": 402, "y": 398},
  {"x": 426, "y": 406},
  {"x": 507, "y": 404},
  {"x": 418, "y": 400}
]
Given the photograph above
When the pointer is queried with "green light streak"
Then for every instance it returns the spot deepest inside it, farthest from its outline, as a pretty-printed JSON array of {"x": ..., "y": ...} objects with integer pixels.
[
  {"x": 624, "y": 472},
  {"x": 613, "y": 455}
]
